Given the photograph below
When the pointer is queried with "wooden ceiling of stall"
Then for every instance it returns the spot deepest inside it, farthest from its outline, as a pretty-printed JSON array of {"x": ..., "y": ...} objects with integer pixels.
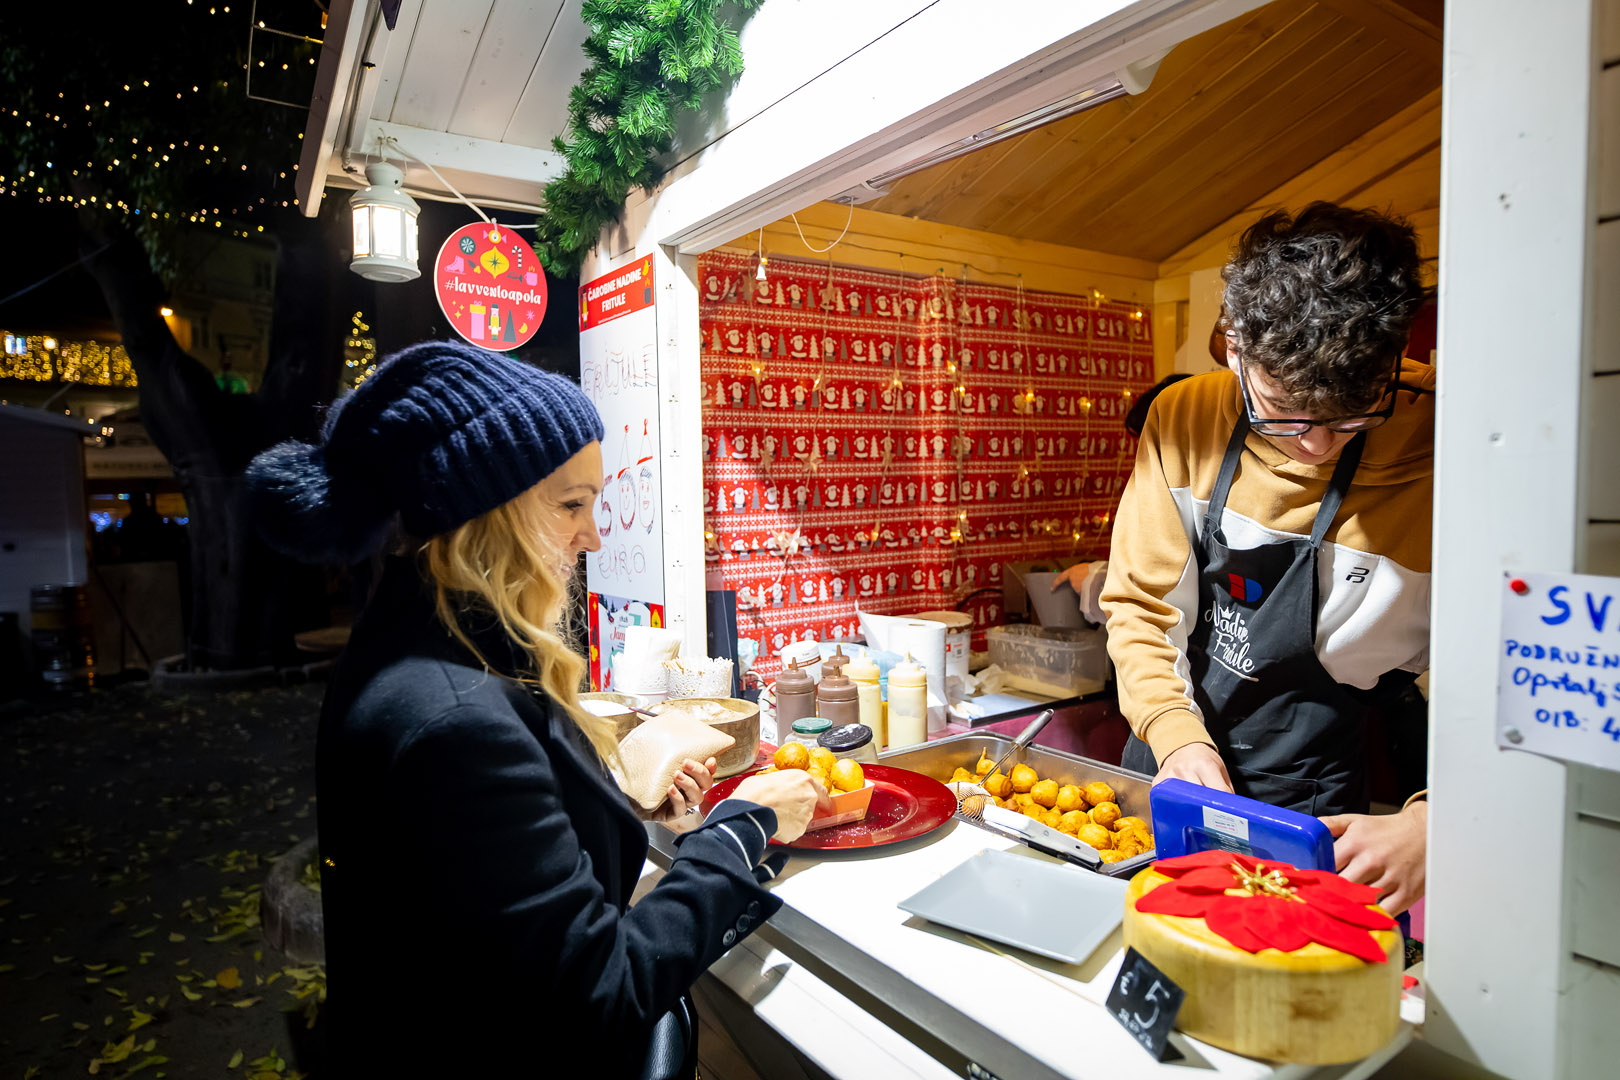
[{"x": 1230, "y": 115}]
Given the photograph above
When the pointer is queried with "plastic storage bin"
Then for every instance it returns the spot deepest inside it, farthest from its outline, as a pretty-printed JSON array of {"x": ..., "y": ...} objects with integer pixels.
[{"x": 1053, "y": 662}]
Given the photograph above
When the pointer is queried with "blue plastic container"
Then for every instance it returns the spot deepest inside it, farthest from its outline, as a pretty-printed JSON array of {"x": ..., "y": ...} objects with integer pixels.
[{"x": 1189, "y": 817}]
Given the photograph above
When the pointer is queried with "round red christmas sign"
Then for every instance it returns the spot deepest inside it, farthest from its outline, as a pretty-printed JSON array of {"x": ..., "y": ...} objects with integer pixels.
[{"x": 490, "y": 286}]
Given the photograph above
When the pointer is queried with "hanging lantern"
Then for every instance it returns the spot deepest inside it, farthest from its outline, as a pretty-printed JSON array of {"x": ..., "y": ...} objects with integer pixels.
[{"x": 384, "y": 227}]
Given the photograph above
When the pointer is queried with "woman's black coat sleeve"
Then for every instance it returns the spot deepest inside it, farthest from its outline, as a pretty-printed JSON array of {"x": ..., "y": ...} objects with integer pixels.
[{"x": 480, "y": 792}]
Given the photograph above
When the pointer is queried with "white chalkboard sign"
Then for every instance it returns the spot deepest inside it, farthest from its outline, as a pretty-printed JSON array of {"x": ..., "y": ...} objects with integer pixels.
[{"x": 1558, "y": 685}]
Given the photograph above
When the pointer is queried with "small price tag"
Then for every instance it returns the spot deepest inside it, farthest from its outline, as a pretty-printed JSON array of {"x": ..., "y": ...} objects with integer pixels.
[{"x": 1145, "y": 1002}]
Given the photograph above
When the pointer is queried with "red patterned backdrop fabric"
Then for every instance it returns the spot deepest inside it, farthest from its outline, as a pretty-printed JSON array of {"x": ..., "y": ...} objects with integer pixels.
[{"x": 887, "y": 442}]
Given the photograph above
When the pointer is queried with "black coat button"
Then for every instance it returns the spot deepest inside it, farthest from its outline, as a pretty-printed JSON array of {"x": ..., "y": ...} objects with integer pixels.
[
  {"x": 753, "y": 909},
  {"x": 728, "y": 937},
  {"x": 743, "y": 924}
]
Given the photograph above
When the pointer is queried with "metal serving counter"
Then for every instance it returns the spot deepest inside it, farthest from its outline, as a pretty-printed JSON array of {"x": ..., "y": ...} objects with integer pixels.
[{"x": 961, "y": 1000}]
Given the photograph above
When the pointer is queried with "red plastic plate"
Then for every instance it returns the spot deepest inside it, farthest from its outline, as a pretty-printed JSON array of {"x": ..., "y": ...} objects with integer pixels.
[{"x": 905, "y": 805}]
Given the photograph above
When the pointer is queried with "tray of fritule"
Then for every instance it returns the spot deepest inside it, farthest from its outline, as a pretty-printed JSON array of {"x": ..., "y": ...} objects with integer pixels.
[{"x": 1102, "y": 805}]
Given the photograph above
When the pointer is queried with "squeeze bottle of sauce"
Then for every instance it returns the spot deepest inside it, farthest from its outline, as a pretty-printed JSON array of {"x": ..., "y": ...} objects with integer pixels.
[
  {"x": 908, "y": 704},
  {"x": 795, "y": 698},
  {"x": 836, "y": 699},
  {"x": 834, "y": 664},
  {"x": 868, "y": 695}
]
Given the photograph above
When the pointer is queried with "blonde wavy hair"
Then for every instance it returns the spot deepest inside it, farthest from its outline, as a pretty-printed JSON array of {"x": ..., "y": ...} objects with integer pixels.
[{"x": 504, "y": 563}]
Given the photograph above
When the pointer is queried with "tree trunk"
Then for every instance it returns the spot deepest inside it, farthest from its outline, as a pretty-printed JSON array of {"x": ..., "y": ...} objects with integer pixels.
[{"x": 246, "y": 600}]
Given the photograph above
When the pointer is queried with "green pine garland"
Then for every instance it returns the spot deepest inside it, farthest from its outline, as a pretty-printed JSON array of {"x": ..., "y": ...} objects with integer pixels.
[{"x": 649, "y": 58}]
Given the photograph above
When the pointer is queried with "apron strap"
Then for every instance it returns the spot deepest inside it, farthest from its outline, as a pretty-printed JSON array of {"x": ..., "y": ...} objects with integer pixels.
[
  {"x": 1342, "y": 473},
  {"x": 1229, "y": 464}
]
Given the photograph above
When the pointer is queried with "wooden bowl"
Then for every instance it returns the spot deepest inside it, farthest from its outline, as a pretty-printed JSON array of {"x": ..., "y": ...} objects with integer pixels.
[
  {"x": 626, "y": 720},
  {"x": 740, "y": 721}
]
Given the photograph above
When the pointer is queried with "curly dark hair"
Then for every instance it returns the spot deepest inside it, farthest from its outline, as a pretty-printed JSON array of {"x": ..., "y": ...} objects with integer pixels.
[{"x": 1323, "y": 302}]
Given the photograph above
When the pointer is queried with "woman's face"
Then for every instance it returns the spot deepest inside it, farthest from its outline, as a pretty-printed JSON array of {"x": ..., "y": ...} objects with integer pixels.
[{"x": 569, "y": 497}]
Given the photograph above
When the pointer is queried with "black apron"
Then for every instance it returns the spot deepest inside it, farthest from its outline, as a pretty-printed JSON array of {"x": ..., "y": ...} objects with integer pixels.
[{"x": 1290, "y": 734}]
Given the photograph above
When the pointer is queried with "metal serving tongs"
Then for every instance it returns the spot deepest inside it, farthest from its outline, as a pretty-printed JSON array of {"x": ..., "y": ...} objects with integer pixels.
[
  {"x": 1025, "y": 737},
  {"x": 974, "y": 803}
]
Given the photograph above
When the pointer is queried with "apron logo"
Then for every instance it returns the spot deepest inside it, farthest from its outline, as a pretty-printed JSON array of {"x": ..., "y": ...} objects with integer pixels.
[
  {"x": 1243, "y": 588},
  {"x": 1229, "y": 639}
]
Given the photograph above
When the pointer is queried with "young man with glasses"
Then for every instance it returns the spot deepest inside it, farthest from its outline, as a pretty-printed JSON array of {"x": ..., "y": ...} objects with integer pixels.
[{"x": 1270, "y": 561}]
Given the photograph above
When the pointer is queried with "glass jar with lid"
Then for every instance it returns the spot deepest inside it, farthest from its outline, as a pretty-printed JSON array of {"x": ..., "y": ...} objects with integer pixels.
[
  {"x": 851, "y": 741},
  {"x": 808, "y": 729}
]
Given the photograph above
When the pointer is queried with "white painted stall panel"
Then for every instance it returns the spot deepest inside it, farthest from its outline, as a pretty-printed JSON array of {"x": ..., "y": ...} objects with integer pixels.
[
  {"x": 1595, "y": 880},
  {"x": 515, "y": 34},
  {"x": 1606, "y": 294},
  {"x": 1602, "y": 448},
  {"x": 42, "y": 513},
  {"x": 1608, "y": 143},
  {"x": 442, "y": 47},
  {"x": 1594, "y": 1003}
]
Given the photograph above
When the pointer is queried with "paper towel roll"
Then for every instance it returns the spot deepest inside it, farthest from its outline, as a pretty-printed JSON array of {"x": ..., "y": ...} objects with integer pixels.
[{"x": 925, "y": 641}]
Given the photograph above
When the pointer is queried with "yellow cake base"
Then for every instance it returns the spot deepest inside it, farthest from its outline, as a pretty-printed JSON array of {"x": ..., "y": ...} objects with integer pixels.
[{"x": 1313, "y": 1006}]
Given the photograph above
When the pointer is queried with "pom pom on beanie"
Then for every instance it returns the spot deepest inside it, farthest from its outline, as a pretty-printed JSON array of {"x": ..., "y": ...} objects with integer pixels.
[{"x": 441, "y": 433}]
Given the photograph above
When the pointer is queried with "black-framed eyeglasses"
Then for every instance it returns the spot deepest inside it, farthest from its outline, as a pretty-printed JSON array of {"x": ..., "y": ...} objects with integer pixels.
[{"x": 1344, "y": 425}]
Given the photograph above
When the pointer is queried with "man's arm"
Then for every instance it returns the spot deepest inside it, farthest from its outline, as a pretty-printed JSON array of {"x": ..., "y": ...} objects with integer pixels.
[{"x": 1151, "y": 599}]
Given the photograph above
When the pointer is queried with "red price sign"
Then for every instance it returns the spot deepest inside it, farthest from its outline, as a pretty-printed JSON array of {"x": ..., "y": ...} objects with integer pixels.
[{"x": 490, "y": 286}]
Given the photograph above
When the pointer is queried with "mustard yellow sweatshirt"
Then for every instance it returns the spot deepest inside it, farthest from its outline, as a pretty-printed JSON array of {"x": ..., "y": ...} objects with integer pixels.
[{"x": 1373, "y": 613}]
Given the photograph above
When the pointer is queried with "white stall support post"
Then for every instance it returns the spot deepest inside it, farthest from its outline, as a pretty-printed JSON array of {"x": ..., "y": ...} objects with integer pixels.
[{"x": 1506, "y": 987}]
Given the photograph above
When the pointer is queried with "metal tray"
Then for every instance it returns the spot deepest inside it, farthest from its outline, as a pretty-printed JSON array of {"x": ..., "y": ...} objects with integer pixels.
[{"x": 941, "y": 757}]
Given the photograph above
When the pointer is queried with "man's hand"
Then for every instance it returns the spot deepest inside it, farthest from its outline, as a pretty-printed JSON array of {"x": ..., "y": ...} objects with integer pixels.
[
  {"x": 1074, "y": 576},
  {"x": 1386, "y": 851},
  {"x": 1196, "y": 763}
]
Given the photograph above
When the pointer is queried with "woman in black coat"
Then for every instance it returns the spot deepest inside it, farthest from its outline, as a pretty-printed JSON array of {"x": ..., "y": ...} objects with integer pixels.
[{"x": 478, "y": 856}]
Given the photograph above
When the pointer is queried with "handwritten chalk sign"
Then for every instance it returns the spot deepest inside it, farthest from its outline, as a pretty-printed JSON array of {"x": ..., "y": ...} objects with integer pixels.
[
  {"x": 1145, "y": 1002},
  {"x": 1558, "y": 684}
]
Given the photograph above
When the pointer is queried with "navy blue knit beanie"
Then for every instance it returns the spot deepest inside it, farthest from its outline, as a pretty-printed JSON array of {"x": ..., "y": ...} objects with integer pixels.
[{"x": 441, "y": 433}]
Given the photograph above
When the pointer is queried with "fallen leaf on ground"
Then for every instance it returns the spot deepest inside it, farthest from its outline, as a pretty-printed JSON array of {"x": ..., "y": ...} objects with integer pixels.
[
  {"x": 228, "y": 979},
  {"x": 236, "y": 1059}
]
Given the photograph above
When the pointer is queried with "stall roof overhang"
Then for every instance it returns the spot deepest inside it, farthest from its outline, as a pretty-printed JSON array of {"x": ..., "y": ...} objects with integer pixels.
[{"x": 476, "y": 89}]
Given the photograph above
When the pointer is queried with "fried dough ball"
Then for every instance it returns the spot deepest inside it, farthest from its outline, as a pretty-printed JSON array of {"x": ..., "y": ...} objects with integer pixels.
[
  {"x": 962, "y": 776},
  {"x": 1023, "y": 778},
  {"x": 1111, "y": 856},
  {"x": 792, "y": 755},
  {"x": 1069, "y": 797},
  {"x": 1003, "y": 803},
  {"x": 984, "y": 764},
  {"x": 1095, "y": 835},
  {"x": 1052, "y": 819},
  {"x": 1018, "y": 802},
  {"x": 1130, "y": 842},
  {"x": 1098, "y": 792},
  {"x": 1130, "y": 821},
  {"x": 1045, "y": 792},
  {"x": 819, "y": 775},
  {"x": 1034, "y": 810},
  {"x": 1071, "y": 821},
  {"x": 847, "y": 775},
  {"x": 820, "y": 755},
  {"x": 998, "y": 785},
  {"x": 1105, "y": 814}
]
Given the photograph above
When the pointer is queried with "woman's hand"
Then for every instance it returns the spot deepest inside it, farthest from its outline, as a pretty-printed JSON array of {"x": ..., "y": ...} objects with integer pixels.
[
  {"x": 1075, "y": 576},
  {"x": 792, "y": 793},
  {"x": 1386, "y": 851},
  {"x": 1196, "y": 763},
  {"x": 690, "y": 785}
]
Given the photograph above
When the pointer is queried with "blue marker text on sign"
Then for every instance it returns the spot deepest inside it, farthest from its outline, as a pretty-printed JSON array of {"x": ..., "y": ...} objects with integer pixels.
[{"x": 1558, "y": 685}]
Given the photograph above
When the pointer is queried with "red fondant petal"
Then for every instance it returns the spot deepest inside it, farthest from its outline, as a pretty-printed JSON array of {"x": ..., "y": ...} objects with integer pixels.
[
  {"x": 1272, "y": 922},
  {"x": 1225, "y": 917},
  {"x": 1329, "y": 931},
  {"x": 1349, "y": 890},
  {"x": 1182, "y": 863},
  {"x": 1408, "y": 981},
  {"x": 1331, "y": 903},
  {"x": 1169, "y": 900},
  {"x": 1207, "y": 879}
]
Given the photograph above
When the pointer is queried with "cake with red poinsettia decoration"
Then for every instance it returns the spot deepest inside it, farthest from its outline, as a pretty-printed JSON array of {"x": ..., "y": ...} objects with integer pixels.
[{"x": 1282, "y": 963}]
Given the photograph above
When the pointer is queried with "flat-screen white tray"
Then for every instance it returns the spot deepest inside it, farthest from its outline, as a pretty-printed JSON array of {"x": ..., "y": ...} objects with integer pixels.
[{"x": 1049, "y": 908}]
